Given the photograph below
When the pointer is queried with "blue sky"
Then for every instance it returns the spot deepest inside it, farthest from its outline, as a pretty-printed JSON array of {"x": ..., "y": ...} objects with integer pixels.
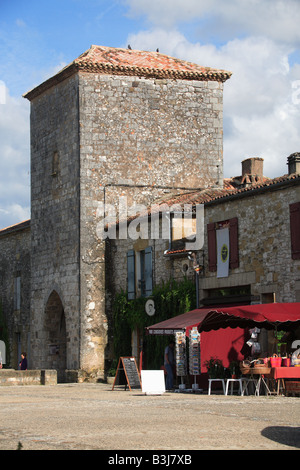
[{"x": 258, "y": 40}]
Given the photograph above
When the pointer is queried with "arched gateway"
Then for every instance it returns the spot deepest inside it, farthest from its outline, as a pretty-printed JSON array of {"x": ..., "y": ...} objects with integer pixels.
[{"x": 56, "y": 341}]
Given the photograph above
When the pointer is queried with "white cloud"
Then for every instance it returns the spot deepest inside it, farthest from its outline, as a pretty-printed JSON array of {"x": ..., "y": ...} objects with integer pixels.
[
  {"x": 260, "y": 116},
  {"x": 13, "y": 214},
  {"x": 276, "y": 19},
  {"x": 14, "y": 160}
]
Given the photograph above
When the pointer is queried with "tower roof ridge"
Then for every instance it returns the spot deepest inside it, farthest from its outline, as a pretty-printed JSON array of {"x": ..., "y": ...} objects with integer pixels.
[{"x": 131, "y": 62}]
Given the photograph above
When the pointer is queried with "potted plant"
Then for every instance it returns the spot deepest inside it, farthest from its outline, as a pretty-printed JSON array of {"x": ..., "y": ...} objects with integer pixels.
[
  {"x": 112, "y": 372},
  {"x": 215, "y": 368},
  {"x": 234, "y": 369}
]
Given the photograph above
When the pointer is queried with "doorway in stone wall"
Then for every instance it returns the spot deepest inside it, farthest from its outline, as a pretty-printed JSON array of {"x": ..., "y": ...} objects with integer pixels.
[{"x": 56, "y": 338}]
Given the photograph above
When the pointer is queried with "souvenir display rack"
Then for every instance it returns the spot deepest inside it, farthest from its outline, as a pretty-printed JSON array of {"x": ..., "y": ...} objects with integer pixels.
[
  {"x": 194, "y": 355},
  {"x": 180, "y": 354},
  {"x": 194, "y": 352}
]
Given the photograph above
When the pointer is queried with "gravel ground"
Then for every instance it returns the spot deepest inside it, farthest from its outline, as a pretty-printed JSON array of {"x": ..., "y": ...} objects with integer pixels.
[{"x": 93, "y": 417}]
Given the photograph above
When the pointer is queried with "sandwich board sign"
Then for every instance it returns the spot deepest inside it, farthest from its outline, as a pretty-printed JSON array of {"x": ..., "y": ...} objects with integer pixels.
[{"x": 127, "y": 374}]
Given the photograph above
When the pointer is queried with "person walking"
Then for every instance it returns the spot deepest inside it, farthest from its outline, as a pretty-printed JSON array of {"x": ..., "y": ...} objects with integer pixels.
[
  {"x": 169, "y": 364},
  {"x": 23, "y": 362}
]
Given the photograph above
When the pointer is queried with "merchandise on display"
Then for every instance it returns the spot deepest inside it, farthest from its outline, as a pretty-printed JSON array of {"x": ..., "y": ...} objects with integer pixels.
[
  {"x": 180, "y": 354},
  {"x": 194, "y": 352}
]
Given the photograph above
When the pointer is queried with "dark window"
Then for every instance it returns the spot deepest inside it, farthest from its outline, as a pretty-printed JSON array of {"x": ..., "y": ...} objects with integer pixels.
[
  {"x": 131, "y": 274},
  {"x": 295, "y": 229},
  {"x": 147, "y": 274},
  {"x": 139, "y": 273}
]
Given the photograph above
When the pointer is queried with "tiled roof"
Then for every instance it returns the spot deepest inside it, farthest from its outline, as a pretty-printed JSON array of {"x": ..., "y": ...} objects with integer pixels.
[
  {"x": 267, "y": 184},
  {"x": 230, "y": 190},
  {"x": 15, "y": 228},
  {"x": 117, "y": 61},
  {"x": 215, "y": 195}
]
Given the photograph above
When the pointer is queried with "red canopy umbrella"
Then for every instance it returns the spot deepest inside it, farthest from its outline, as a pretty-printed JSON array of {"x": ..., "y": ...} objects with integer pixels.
[
  {"x": 285, "y": 316},
  {"x": 183, "y": 322}
]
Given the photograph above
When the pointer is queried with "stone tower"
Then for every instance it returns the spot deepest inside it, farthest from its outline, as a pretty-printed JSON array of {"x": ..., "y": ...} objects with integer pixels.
[{"x": 113, "y": 122}]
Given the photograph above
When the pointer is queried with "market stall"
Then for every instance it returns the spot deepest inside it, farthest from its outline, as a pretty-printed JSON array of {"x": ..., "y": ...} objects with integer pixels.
[
  {"x": 228, "y": 344},
  {"x": 224, "y": 330}
]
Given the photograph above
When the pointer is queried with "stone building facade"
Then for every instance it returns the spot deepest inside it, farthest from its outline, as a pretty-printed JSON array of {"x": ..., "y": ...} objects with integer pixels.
[
  {"x": 112, "y": 123},
  {"x": 15, "y": 281},
  {"x": 266, "y": 269},
  {"x": 263, "y": 217}
]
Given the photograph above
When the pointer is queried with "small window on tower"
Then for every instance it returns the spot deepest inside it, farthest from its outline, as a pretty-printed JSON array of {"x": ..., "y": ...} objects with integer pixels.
[
  {"x": 55, "y": 164},
  {"x": 17, "y": 292}
]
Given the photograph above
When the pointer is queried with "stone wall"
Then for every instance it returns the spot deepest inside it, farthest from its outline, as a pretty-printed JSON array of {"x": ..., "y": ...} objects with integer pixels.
[
  {"x": 156, "y": 133},
  {"x": 55, "y": 224},
  {"x": 141, "y": 139},
  {"x": 27, "y": 377},
  {"x": 164, "y": 267},
  {"x": 264, "y": 241},
  {"x": 15, "y": 259},
  {"x": 94, "y": 138}
]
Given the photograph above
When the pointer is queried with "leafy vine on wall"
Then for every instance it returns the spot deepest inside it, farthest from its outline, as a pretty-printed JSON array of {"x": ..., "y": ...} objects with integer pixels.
[{"x": 171, "y": 298}]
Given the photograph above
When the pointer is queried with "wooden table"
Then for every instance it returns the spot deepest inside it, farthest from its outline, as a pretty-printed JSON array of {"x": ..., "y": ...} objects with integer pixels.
[{"x": 281, "y": 373}]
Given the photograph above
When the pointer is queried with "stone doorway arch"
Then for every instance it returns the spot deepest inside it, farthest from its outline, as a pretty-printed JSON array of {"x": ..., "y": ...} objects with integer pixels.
[{"x": 56, "y": 336}]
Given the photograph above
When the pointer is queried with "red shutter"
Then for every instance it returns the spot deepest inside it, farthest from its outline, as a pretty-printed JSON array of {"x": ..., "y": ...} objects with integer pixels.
[
  {"x": 295, "y": 229},
  {"x": 212, "y": 247},
  {"x": 234, "y": 243}
]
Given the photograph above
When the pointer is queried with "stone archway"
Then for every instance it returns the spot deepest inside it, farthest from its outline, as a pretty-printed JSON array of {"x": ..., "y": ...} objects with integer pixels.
[{"x": 56, "y": 338}]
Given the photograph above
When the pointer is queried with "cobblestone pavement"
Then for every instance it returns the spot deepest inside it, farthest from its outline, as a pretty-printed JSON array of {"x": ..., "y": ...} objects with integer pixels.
[{"x": 92, "y": 416}]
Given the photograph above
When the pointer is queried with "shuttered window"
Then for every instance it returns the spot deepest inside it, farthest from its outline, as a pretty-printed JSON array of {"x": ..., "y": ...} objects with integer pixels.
[
  {"x": 212, "y": 247},
  {"x": 131, "y": 274},
  {"x": 148, "y": 272},
  {"x": 233, "y": 241},
  {"x": 295, "y": 229},
  {"x": 143, "y": 273}
]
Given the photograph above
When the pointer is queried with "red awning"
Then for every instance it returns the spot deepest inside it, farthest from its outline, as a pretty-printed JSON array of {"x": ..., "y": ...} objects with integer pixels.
[
  {"x": 284, "y": 316},
  {"x": 183, "y": 322}
]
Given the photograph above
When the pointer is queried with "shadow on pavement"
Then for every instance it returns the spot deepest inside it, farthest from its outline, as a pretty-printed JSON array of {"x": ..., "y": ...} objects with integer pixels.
[{"x": 287, "y": 435}]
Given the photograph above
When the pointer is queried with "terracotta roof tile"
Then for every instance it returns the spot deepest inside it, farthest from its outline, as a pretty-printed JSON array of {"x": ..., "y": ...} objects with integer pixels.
[
  {"x": 117, "y": 61},
  {"x": 210, "y": 195},
  {"x": 145, "y": 62},
  {"x": 16, "y": 227}
]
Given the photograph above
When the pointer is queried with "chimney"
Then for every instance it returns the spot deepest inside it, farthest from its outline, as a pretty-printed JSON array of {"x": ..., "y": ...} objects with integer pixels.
[
  {"x": 252, "y": 170},
  {"x": 294, "y": 163}
]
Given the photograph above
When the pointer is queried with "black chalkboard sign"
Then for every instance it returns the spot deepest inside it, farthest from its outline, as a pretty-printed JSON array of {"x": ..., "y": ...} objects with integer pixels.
[{"x": 127, "y": 373}]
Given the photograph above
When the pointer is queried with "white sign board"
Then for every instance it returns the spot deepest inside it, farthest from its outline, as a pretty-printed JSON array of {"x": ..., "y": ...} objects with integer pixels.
[{"x": 153, "y": 382}]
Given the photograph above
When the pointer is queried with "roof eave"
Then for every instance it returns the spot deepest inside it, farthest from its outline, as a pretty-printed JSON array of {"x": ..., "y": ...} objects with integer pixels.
[
  {"x": 248, "y": 192},
  {"x": 83, "y": 64},
  {"x": 66, "y": 72}
]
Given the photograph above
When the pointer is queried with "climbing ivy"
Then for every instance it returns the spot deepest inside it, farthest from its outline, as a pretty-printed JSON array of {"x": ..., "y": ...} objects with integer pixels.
[{"x": 171, "y": 298}]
